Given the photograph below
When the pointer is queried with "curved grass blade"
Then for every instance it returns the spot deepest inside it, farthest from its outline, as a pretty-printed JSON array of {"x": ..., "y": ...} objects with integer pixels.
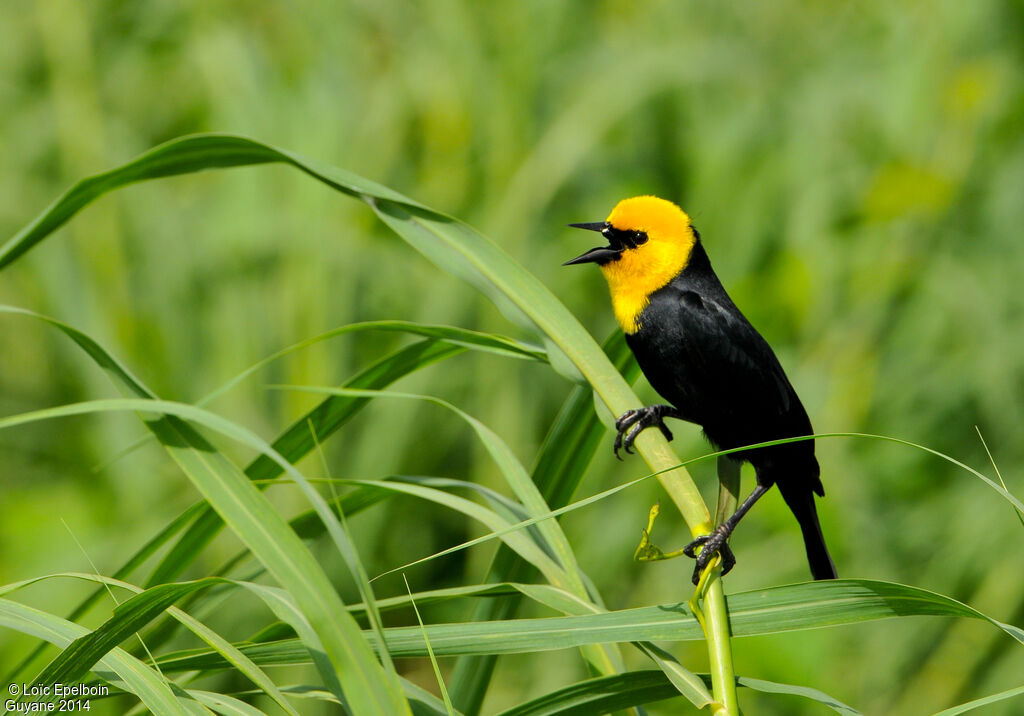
[
  {"x": 231, "y": 654},
  {"x": 684, "y": 681},
  {"x": 422, "y": 701},
  {"x": 810, "y": 605},
  {"x": 601, "y": 695},
  {"x": 524, "y": 546},
  {"x": 128, "y": 618},
  {"x": 543, "y": 594},
  {"x": 515, "y": 474},
  {"x": 307, "y": 526},
  {"x": 187, "y": 448},
  {"x": 773, "y": 687},
  {"x": 223, "y": 704},
  {"x": 116, "y": 668},
  {"x": 702, "y": 458},
  {"x": 984, "y": 701},
  {"x": 570, "y": 576},
  {"x": 566, "y": 452},
  {"x": 285, "y": 608},
  {"x": 473, "y": 340},
  {"x": 298, "y": 441},
  {"x": 364, "y": 681},
  {"x": 180, "y": 156},
  {"x": 452, "y": 245},
  {"x": 174, "y": 527},
  {"x": 636, "y": 688}
]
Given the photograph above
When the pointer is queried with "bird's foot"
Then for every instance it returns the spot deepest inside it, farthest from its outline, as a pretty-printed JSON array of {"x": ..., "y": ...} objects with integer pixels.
[
  {"x": 715, "y": 543},
  {"x": 632, "y": 422}
]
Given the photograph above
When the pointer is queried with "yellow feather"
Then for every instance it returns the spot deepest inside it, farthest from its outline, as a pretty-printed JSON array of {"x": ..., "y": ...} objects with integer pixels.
[{"x": 641, "y": 271}]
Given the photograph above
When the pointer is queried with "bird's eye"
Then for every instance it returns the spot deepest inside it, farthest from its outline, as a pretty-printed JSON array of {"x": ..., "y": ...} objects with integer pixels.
[{"x": 639, "y": 237}]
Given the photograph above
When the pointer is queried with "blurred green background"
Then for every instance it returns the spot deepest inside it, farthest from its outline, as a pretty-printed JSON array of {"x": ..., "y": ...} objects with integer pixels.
[{"x": 856, "y": 171}]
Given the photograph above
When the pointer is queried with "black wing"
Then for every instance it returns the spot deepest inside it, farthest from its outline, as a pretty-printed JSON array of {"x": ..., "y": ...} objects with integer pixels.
[{"x": 701, "y": 354}]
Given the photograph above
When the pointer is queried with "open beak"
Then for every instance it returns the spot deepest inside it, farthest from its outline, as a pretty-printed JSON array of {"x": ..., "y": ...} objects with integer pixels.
[{"x": 600, "y": 254}]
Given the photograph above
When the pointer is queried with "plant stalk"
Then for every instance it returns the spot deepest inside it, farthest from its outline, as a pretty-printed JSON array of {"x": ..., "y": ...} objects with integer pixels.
[
  {"x": 684, "y": 493},
  {"x": 717, "y": 633}
]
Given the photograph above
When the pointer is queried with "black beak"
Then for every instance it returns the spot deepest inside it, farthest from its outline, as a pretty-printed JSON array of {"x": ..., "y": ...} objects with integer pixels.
[{"x": 601, "y": 254}]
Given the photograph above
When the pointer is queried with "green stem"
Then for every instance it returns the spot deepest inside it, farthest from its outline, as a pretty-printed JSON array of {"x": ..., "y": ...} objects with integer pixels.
[
  {"x": 684, "y": 493},
  {"x": 723, "y": 680}
]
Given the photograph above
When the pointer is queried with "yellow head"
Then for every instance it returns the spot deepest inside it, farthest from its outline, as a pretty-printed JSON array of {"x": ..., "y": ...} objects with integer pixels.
[{"x": 649, "y": 242}]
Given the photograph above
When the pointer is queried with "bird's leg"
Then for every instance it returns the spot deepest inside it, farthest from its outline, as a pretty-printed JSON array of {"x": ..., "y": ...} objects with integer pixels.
[
  {"x": 717, "y": 541},
  {"x": 632, "y": 422}
]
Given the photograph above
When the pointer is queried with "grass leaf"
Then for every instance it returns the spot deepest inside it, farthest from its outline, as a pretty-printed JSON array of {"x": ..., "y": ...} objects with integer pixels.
[
  {"x": 265, "y": 532},
  {"x": 809, "y": 605},
  {"x": 116, "y": 668},
  {"x": 637, "y": 688}
]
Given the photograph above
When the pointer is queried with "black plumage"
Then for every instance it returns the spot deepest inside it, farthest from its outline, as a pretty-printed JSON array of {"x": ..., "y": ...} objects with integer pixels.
[{"x": 704, "y": 357}]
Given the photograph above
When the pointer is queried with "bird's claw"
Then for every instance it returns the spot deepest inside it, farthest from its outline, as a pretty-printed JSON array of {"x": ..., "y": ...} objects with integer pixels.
[
  {"x": 632, "y": 422},
  {"x": 710, "y": 545}
]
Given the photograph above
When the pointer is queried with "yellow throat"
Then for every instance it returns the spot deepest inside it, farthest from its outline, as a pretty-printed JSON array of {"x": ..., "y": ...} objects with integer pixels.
[{"x": 641, "y": 271}]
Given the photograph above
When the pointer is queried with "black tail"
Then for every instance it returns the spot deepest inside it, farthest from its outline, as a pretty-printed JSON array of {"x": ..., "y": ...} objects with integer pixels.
[{"x": 802, "y": 505}]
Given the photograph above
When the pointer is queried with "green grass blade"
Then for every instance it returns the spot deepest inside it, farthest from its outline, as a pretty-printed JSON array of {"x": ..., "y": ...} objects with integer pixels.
[
  {"x": 569, "y": 576},
  {"x": 999, "y": 475},
  {"x": 518, "y": 541},
  {"x": 129, "y": 617},
  {"x": 307, "y": 526},
  {"x": 772, "y": 687},
  {"x": 601, "y": 695},
  {"x": 985, "y": 701},
  {"x": 543, "y": 594},
  {"x": 430, "y": 652},
  {"x": 266, "y": 534},
  {"x": 567, "y": 450},
  {"x": 162, "y": 537},
  {"x": 297, "y": 441},
  {"x": 425, "y": 703},
  {"x": 180, "y": 156},
  {"x": 684, "y": 681},
  {"x": 472, "y": 340},
  {"x": 227, "y": 650},
  {"x": 226, "y": 705},
  {"x": 810, "y": 605},
  {"x": 515, "y": 474},
  {"x": 422, "y": 701},
  {"x": 190, "y": 451},
  {"x": 285, "y": 608},
  {"x": 448, "y": 243},
  {"x": 637, "y": 688},
  {"x": 116, "y": 668}
]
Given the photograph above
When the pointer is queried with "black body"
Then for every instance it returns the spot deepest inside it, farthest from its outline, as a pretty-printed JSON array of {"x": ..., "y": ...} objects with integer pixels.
[{"x": 703, "y": 356}]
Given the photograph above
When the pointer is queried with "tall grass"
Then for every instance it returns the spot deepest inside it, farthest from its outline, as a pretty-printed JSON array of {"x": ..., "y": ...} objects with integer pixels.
[
  {"x": 854, "y": 172},
  {"x": 355, "y": 667}
]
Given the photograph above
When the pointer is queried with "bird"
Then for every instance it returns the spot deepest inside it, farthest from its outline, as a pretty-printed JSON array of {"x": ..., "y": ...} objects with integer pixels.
[{"x": 702, "y": 355}]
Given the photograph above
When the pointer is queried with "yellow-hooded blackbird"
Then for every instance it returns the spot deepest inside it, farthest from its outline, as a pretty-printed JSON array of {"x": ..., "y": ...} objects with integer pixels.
[{"x": 703, "y": 356}]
